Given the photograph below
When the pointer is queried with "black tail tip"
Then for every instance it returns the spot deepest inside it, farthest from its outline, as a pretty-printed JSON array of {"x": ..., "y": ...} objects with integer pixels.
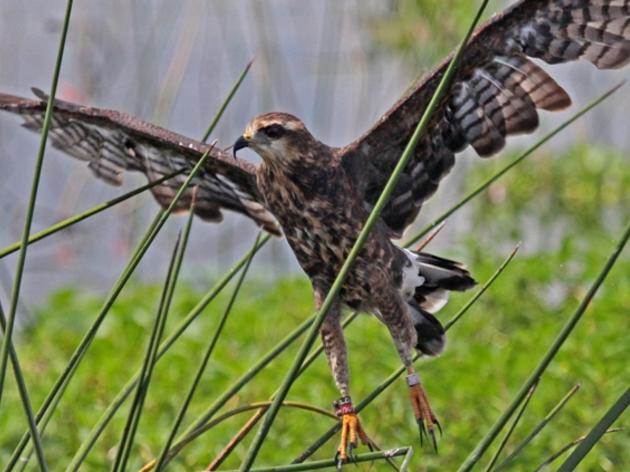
[{"x": 431, "y": 337}]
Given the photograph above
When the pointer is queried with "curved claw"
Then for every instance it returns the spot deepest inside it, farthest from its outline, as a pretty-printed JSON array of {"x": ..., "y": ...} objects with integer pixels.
[
  {"x": 422, "y": 430},
  {"x": 427, "y": 422},
  {"x": 351, "y": 456},
  {"x": 439, "y": 426},
  {"x": 434, "y": 441}
]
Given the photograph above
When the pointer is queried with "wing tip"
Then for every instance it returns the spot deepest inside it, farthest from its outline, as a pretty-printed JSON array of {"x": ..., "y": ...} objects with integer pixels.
[
  {"x": 10, "y": 101},
  {"x": 39, "y": 93}
]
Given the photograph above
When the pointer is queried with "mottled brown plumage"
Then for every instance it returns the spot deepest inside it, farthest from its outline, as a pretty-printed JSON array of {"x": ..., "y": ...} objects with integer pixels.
[{"x": 321, "y": 196}]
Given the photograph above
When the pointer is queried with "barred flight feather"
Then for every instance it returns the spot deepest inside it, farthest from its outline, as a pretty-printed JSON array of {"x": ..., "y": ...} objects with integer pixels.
[
  {"x": 113, "y": 142},
  {"x": 495, "y": 93}
]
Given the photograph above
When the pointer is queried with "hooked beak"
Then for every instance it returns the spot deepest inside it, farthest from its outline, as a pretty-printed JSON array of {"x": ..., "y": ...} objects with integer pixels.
[{"x": 240, "y": 143}]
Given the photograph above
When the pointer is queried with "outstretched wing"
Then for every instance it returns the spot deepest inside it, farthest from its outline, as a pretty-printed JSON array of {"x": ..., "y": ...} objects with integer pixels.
[
  {"x": 113, "y": 142},
  {"x": 494, "y": 93}
]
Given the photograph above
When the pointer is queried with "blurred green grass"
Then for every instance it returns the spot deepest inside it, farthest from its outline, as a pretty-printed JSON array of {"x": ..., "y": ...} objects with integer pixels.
[{"x": 489, "y": 354}]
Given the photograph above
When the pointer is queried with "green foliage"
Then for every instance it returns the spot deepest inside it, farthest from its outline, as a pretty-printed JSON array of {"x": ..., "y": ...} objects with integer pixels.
[
  {"x": 576, "y": 195},
  {"x": 410, "y": 27},
  {"x": 490, "y": 353}
]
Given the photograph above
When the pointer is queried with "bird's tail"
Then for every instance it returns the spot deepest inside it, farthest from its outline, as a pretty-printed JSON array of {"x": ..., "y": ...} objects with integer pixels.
[{"x": 427, "y": 280}]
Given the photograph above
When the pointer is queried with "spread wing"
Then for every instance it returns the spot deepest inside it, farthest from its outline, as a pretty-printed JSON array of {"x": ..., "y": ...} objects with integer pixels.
[
  {"x": 495, "y": 92},
  {"x": 113, "y": 142}
]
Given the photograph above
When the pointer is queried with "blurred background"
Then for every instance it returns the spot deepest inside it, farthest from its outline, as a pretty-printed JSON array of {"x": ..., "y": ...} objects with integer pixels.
[{"x": 339, "y": 66}]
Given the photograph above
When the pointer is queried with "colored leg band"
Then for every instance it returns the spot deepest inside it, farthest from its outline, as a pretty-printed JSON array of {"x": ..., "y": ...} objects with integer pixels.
[{"x": 343, "y": 406}]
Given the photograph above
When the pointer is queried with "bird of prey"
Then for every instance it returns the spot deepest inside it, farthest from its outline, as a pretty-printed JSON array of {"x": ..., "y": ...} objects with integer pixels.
[{"x": 319, "y": 196}]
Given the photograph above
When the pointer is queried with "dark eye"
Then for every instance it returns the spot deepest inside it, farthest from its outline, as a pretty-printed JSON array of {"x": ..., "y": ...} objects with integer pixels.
[{"x": 273, "y": 131}]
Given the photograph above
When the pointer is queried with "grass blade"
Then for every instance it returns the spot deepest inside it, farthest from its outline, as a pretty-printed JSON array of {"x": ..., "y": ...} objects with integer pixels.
[
  {"x": 52, "y": 399},
  {"x": 24, "y": 397},
  {"x": 258, "y": 406},
  {"x": 165, "y": 304},
  {"x": 107, "y": 416},
  {"x": 236, "y": 440},
  {"x": 596, "y": 433},
  {"x": 54, "y": 396},
  {"x": 204, "y": 362},
  {"x": 483, "y": 288},
  {"x": 514, "y": 163},
  {"x": 483, "y": 445},
  {"x": 539, "y": 427},
  {"x": 406, "y": 460},
  {"x": 133, "y": 418},
  {"x": 201, "y": 425},
  {"x": 309, "y": 451},
  {"x": 19, "y": 270},
  {"x": 63, "y": 224},
  {"x": 227, "y": 101},
  {"x": 568, "y": 447},
  {"x": 362, "y": 237},
  {"x": 332, "y": 463},
  {"x": 511, "y": 429}
]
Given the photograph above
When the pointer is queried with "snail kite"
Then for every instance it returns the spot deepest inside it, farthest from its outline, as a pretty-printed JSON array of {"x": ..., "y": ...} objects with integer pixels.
[{"x": 320, "y": 196}]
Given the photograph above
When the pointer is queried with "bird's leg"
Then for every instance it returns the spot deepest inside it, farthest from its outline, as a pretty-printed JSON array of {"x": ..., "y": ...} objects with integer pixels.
[
  {"x": 351, "y": 430},
  {"x": 427, "y": 421},
  {"x": 336, "y": 353},
  {"x": 395, "y": 315}
]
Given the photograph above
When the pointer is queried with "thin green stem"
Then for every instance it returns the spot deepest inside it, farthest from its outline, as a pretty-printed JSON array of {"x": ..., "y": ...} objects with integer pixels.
[
  {"x": 227, "y": 101},
  {"x": 483, "y": 288},
  {"x": 10, "y": 249},
  {"x": 247, "y": 377},
  {"x": 595, "y": 434},
  {"x": 111, "y": 410},
  {"x": 358, "y": 245},
  {"x": 51, "y": 401},
  {"x": 539, "y": 427},
  {"x": 257, "y": 406},
  {"x": 513, "y": 164},
  {"x": 201, "y": 427},
  {"x": 133, "y": 418},
  {"x": 406, "y": 460},
  {"x": 511, "y": 429},
  {"x": 483, "y": 445},
  {"x": 568, "y": 447},
  {"x": 26, "y": 401},
  {"x": 53, "y": 397},
  {"x": 165, "y": 304},
  {"x": 204, "y": 362},
  {"x": 330, "y": 463},
  {"x": 309, "y": 451},
  {"x": 28, "y": 220}
]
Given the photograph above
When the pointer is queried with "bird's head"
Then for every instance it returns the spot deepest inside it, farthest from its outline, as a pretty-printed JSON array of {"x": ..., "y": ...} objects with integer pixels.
[{"x": 276, "y": 137}]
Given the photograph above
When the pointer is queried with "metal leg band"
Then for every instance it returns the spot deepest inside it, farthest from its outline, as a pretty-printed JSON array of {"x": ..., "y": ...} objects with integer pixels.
[{"x": 413, "y": 379}]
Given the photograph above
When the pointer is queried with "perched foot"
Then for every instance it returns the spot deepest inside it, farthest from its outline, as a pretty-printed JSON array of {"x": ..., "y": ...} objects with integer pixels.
[
  {"x": 350, "y": 430},
  {"x": 427, "y": 422}
]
